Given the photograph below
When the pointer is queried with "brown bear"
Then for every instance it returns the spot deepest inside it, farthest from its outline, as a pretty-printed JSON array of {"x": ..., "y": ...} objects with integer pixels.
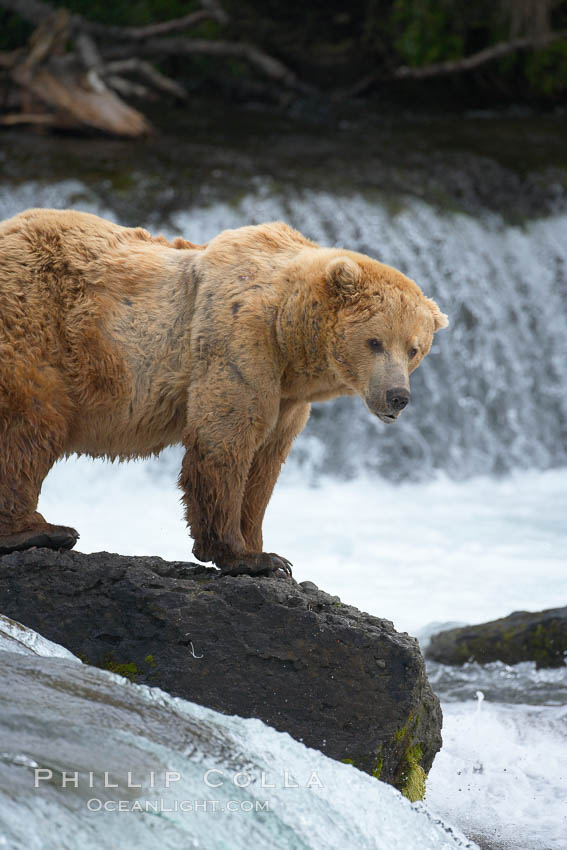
[{"x": 114, "y": 343}]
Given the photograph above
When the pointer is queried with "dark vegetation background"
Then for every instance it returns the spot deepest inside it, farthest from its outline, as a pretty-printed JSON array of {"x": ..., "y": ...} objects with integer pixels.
[{"x": 344, "y": 51}]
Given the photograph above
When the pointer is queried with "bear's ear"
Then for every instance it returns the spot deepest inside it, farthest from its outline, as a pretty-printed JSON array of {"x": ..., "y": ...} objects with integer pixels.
[
  {"x": 441, "y": 320},
  {"x": 343, "y": 276}
]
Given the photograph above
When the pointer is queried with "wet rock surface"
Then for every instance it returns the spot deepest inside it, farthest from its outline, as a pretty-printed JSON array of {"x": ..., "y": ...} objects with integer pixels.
[
  {"x": 337, "y": 679},
  {"x": 522, "y": 636},
  {"x": 512, "y": 166}
]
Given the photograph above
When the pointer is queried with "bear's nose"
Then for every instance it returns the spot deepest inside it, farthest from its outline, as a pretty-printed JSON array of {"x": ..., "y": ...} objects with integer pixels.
[{"x": 398, "y": 398}]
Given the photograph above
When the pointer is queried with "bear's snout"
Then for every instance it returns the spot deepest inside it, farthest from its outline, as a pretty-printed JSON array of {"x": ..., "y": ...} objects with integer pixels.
[
  {"x": 388, "y": 405},
  {"x": 397, "y": 398}
]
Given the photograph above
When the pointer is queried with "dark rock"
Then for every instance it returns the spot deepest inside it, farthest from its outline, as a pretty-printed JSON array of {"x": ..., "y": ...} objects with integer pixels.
[
  {"x": 522, "y": 636},
  {"x": 337, "y": 679}
]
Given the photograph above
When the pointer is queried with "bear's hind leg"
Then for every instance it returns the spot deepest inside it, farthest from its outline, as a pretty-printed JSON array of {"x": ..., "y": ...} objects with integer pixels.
[{"x": 27, "y": 453}]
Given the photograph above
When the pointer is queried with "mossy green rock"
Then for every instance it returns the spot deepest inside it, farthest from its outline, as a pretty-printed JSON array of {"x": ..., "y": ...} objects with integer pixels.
[
  {"x": 523, "y": 636},
  {"x": 340, "y": 680}
]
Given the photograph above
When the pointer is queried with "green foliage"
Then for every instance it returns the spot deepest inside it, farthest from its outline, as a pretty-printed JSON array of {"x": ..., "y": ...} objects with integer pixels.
[
  {"x": 546, "y": 70},
  {"x": 413, "y": 775},
  {"x": 427, "y": 31},
  {"x": 129, "y": 670},
  {"x": 377, "y": 772}
]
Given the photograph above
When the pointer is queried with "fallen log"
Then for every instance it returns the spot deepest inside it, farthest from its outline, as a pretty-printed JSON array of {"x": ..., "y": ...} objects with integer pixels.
[
  {"x": 83, "y": 88},
  {"x": 67, "y": 91},
  {"x": 81, "y": 101}
]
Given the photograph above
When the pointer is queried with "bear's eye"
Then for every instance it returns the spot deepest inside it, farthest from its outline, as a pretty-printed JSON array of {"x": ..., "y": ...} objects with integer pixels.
[
  {"x": 412, "y": 352},
  {"x": 375, "y": 345}
]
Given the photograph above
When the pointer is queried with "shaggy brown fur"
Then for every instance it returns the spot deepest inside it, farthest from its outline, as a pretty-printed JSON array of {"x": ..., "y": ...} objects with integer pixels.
[{"x": 114, "y": 343}]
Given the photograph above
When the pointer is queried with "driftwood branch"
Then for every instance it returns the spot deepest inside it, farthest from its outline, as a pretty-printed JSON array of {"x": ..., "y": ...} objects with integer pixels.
[
  {"x": 88, "y": 51},
  {"x": 101, "y": 55},
  {"x": 67, "y": 89},
  {"x": 43, "y": 119},
  {"x": 47, "y": 40},
  {"x": 82, "y": 101},
  {"x": 137, "y": 46},
  {"x": 453, "y": 66},
  {"x": 142, "y": 33},
  {"x": 144, "y": 69},
  {"x": 271, "y": 67},
  {"x": 129, "y": 89},
  {"x": 468, "y": 63},
  {"x": 36, "y": 12}
]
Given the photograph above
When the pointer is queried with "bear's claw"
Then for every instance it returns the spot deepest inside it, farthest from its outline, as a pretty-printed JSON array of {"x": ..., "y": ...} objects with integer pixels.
[
  {"x": 262, "y": 563},
  {"x": 49, "y": 537}
]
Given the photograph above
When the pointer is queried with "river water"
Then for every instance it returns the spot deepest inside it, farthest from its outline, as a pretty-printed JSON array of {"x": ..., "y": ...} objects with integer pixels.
[
  {"x": 90, "y": 761},
  {"x": 457, "y": 513}
]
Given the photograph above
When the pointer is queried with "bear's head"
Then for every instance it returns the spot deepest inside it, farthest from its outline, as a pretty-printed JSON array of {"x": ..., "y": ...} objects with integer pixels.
[{"x": 384, "y": 328}]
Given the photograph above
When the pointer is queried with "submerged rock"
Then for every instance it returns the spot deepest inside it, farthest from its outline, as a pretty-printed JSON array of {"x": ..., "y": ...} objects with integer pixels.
[
  {"x": 335, "y": 678},
  {"x": 522, "y": 636}
]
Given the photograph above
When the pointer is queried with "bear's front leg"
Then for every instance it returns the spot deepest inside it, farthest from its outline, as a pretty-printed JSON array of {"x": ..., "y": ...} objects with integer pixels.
[
  {"x": 256, "y": 563},
  {"x": 266, "y": 467},
  {"x": 221, "y": 439}
]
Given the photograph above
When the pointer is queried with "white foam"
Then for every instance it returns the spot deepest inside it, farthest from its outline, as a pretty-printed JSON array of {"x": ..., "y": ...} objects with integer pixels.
[{"x": 502, "y": 774}]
